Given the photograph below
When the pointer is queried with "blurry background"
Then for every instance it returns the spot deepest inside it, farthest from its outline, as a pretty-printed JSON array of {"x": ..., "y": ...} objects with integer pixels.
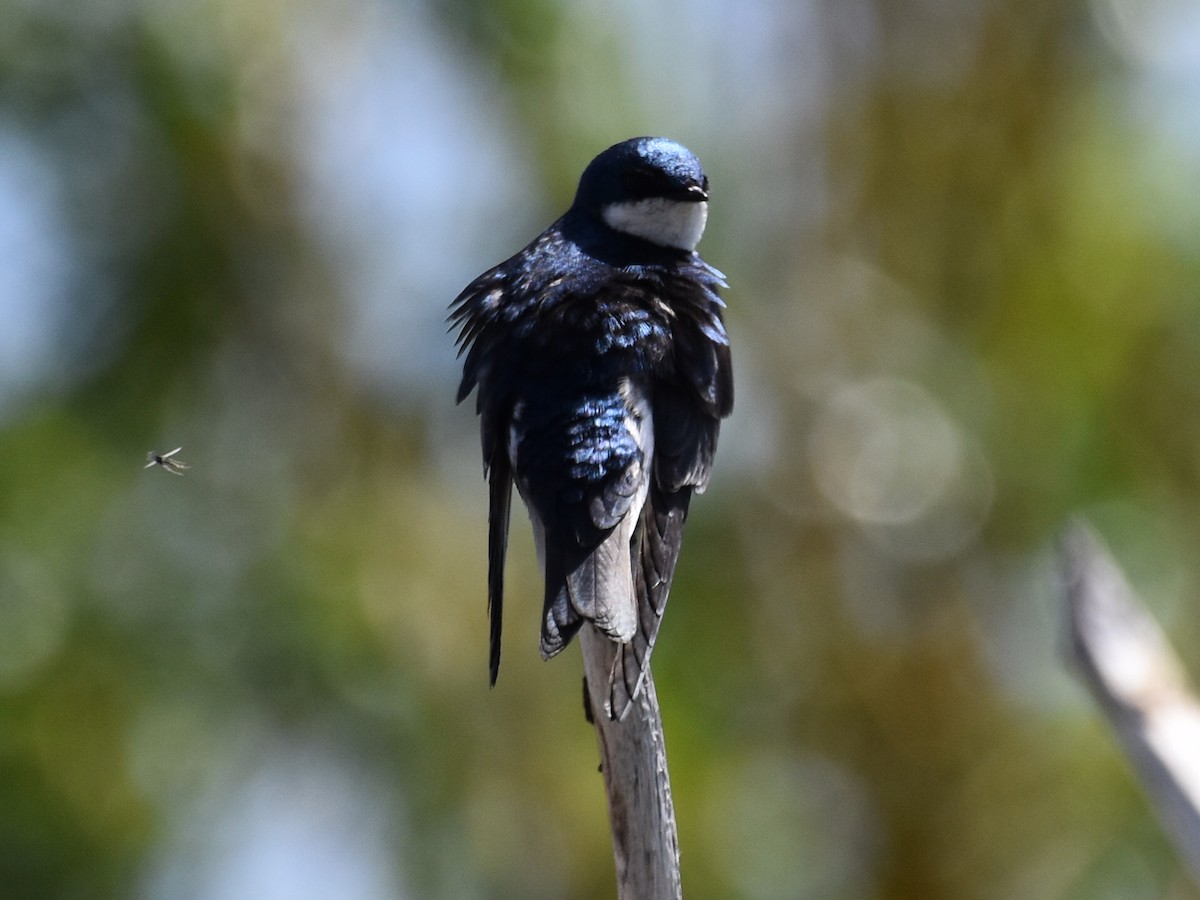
[{"x": 963, "y": 244}]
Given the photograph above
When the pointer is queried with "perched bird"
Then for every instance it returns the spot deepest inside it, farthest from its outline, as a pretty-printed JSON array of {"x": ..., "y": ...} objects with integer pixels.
[
  {"x": 174, "y": 466},
  {"x": 602, "y": 366}
]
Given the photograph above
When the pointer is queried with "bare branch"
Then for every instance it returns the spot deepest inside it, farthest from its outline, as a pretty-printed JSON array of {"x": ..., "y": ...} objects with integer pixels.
[
  {"x": 1127, "y": 663},
  {"x": 633, "y": 758}
]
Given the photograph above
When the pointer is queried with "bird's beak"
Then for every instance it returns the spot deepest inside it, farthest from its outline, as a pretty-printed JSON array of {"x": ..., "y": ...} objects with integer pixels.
[{"x": 696, "y": 194}]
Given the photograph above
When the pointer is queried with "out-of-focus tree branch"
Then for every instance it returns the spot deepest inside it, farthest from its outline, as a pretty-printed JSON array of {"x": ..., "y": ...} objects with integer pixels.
[{"x": 1127, "y": 663}]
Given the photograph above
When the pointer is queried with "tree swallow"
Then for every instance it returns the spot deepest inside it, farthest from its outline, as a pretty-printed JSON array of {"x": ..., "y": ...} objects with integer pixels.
[{"x": 603, "y": 370}]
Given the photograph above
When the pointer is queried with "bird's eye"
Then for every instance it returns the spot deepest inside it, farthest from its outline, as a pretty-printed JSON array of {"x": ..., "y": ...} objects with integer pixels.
[{"x": 639, "y": 183}]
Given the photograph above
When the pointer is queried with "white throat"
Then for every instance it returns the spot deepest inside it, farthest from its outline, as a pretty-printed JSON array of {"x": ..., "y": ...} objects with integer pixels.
[{"x": 668, "y": 223}]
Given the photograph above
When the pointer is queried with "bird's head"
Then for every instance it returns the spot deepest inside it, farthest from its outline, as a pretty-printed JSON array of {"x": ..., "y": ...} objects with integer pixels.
[{"x": 648, "y": 187}]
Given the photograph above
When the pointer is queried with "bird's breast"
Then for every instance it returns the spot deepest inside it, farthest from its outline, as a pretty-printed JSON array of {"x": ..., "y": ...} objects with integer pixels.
[{"x": 596, "y": 340}]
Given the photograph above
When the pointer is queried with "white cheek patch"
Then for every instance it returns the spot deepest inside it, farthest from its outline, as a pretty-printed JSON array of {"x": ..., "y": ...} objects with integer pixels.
[{"x": 668, "y": 223}]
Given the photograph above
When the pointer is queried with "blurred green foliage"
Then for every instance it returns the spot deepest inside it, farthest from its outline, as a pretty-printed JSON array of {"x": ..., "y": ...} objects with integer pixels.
[{"x": 963, "y": 252}]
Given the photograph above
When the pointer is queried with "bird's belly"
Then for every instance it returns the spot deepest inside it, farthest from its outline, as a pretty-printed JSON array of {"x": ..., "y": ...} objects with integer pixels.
[{"x": 568, "y": 451}]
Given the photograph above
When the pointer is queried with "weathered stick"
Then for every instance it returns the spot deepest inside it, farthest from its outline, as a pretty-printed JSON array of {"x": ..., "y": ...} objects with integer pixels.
[
  {"x": 633, "y": 758},
  {"x": 1127, "y": 663}
]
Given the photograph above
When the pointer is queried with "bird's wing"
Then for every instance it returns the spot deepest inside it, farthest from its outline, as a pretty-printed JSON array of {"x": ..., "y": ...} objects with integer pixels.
[
  {"x": 491, "y": 315},
  {"x": 474, "y": 313},
  {"x": 687, "y": 415},
  {"x": 499, "y": 504}
]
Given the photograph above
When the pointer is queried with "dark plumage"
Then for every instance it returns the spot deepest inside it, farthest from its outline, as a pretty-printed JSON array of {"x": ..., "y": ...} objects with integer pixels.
[{"x": 602, "y": 367}]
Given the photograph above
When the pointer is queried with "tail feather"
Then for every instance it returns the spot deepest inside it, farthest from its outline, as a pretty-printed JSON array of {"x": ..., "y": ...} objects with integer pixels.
[
  {"x": 560, "y": 619},
  {"x": 595, "y": 586},
  {"x": 657, "y": 546},
  {"x": 602, "y": 590}
]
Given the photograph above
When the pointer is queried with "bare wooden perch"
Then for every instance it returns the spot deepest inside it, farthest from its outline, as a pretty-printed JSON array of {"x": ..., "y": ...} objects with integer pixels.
[
  {"x": 1130, "y": 668},
  {"x": 633, "y": 758}
]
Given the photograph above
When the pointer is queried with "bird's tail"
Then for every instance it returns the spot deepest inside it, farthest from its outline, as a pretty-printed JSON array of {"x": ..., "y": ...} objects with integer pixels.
[
  {"x": 657, "y": 543},
  {"x": 594, "y": 585}
]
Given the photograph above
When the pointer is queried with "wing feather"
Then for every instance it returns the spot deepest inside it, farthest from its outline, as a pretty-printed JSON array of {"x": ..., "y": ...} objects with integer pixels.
[
  {"x": 499, "y": 505},
  {"x": 687, "y": 412}
]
